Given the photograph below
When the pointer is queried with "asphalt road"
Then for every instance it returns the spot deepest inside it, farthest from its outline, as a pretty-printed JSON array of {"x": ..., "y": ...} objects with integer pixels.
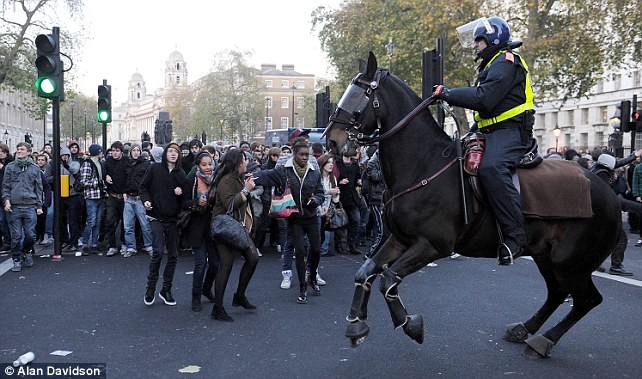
[{"x": 93, "y": 306}]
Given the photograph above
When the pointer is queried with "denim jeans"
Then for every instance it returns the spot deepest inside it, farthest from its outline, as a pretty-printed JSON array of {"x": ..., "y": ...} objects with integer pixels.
[
  {"x": 4, "y": 228},
  {"x": 164, "y": 234},
  {"x": 95, "y": 211},
  {"x": 205, "y": 255},
  {"x": 133, "y": 210},
  {"x": 328, "y": 240},
  {"x": 49, "y": 221},
  {"x": 22, "y": 224}
]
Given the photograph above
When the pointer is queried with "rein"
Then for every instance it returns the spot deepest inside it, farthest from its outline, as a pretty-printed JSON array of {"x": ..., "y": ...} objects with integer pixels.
[
  {"x": 401, "y": 124},
  {"x": 423, "y": 182}
]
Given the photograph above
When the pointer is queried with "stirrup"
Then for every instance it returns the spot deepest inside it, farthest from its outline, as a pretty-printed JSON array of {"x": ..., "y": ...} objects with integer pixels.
[{"x": 500, "y": 257}]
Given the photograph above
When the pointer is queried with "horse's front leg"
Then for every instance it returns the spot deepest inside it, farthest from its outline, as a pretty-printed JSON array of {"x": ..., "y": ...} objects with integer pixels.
[
  {"x": 364, "y": 278},
  {"x": 412, "y": 260}
]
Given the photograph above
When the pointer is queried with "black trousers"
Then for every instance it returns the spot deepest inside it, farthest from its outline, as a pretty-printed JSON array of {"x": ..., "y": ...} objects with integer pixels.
[{"x": 226, "y": 258}]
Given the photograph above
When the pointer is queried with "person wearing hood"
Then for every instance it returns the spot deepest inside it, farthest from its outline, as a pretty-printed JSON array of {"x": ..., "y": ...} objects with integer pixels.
[
  {"x": 161, "y": 192},
  {"x": 22, "y": 198},
  {"x": 74, "y": 150},
  {"x": 133, "y": 208},
  {"x": 157, "y": 154},
  {"x": 71, "y": 205},
  {"x": 502, "y": 101}
]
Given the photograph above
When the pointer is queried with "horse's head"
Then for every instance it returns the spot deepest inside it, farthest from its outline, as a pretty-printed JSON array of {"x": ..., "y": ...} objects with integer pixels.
[{"x": 356, "y": 116}]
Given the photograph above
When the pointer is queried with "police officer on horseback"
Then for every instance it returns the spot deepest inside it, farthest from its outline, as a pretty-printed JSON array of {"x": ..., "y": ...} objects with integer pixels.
[{"x": 502, "y": 101}]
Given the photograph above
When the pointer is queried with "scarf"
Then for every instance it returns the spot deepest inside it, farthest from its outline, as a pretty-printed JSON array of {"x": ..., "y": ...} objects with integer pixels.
[
  {"x": 23, "y": 163},
  {"x": 203, "y": 184},
  {"x": 300, "y": 170}
]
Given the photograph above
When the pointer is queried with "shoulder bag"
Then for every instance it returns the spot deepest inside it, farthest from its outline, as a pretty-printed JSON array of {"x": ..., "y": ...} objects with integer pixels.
[
  {"x": 227, "y": 230},
  {"x": 283, "y": 206},
  {"x": 336, "y": 218}
]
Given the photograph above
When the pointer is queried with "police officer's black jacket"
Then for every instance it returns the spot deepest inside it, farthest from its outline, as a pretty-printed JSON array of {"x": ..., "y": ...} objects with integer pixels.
[{"x": 500, "y": 86}]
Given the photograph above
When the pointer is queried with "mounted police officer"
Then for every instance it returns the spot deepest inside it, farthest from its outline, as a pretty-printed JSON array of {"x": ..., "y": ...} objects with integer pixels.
[{"x": 502, "y": 101}]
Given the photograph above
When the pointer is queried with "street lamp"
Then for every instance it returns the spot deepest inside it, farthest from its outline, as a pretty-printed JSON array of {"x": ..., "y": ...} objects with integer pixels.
[
  {"x": 6, "y": 137},
  {"x": 221, "y": 122},
  {"x": 556, "y": 132},
  {"x": 72, "y": 102},
  {"x": 391, "y": 48},
  {"x": 85, "y": 135},
  {"x": 267, "y": 99},
  {"x": 293, "y": 88}
]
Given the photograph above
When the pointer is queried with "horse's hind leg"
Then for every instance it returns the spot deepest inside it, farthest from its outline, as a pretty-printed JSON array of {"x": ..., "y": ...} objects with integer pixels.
[
  {"x": 413, "y": 325},
  {"x": 585, "y": 298},
  {"x": 519, "y": 332}
]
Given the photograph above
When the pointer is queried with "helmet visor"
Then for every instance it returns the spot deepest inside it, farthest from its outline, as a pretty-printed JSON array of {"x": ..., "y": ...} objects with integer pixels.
[{"x": 466, "y": 32}]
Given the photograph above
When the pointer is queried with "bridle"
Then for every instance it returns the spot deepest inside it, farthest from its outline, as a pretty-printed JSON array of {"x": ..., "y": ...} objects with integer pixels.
[{"x": 354, "y": 101}]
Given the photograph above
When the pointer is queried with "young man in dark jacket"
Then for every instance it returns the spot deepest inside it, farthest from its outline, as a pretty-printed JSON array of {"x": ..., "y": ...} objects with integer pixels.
[
  {"x": 161, "y": 192},
  {"x": 373, "y": 188},
  {"x": 116, "y": 179},
  {"x": 349, "y": 179}
]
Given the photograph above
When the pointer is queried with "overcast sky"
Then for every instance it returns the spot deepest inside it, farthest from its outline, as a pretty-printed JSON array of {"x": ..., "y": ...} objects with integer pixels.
[{"x": 128, "y": 36}]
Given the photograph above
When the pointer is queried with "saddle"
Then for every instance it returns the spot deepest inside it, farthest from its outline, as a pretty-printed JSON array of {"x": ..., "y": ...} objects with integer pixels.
[{"x": 543, "y": 188}]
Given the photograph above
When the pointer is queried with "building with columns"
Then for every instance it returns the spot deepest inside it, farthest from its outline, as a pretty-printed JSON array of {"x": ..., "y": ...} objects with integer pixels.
[
  {"x": 139, "y": 113},
  {"x": 16, "y": 122}
]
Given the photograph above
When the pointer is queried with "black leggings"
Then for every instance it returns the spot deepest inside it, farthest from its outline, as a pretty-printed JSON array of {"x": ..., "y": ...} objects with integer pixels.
[
  {"x": 297, "y": 230},
  {"x": 226, "y": 256}
]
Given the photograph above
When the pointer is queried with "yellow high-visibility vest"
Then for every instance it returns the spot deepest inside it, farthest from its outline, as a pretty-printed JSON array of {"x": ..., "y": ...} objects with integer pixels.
[{"x": 528, "y": 105}]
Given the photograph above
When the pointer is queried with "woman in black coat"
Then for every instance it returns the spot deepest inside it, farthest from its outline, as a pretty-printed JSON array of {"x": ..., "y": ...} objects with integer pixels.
[{"x": 305, "y": 183}]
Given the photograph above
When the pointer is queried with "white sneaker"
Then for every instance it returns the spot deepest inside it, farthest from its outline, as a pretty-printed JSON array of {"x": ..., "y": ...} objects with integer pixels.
[
  {"x": 286, "y": 283},
  {"x": 123, "y": 249},
  {"x": 454, "y": 256},
  {"x": 320, "y": 280},
  {"x": 259, "y": 252},
  {"x": 46, "y": 241},
  {"x": 112, "y": 251},
  {"x": 431, "y": 264}
]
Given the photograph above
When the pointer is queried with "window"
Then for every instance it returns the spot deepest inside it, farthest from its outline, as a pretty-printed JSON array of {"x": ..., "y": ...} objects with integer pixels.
[
  {"x": 300, "y": 84},
  {"x": 585, "y": 116},
  {"x": 268, "y": 123},
  {"x": 599, "y": 139},
  {"x": 285, "y": 84},
  {"x": 604, "y": 116},
  {"x": 268, "y": 101},
  {"x": 583, "y": 140},
  {"x": 600, "y": 86},
  {"x": 138, "y": 95},
  {"x": 554, "y": 119},
  {"x": 570, "y": 117},
  {"x": 285, "y": 102},
  {"x": 284, "y": 122},
  {"x": 299, "y": 102},
  {"x": 268, "y": 84},
  {"x": 637, "y": 78},
  {"x": 178, "y": 79},
  {"x": 178, "y": 66},
  {"x": 618, "y": 82}
]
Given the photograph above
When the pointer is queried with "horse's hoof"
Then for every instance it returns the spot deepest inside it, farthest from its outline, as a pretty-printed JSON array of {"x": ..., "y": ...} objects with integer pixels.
[
  {"x": 357, "y": 332},
  {"x": 515, "y": 333},
  {"x": 414, "y": 328},
  {"x": 538, "y": 347}
]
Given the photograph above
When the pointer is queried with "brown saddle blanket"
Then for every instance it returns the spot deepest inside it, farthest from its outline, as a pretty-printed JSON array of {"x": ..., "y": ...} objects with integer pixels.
[{"x": 555, "y": 189}]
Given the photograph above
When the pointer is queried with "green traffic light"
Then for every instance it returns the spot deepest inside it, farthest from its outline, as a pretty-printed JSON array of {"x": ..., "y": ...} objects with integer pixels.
[
  {"x": 46, "y": 85},
  {"x": 103, "y": 116}
]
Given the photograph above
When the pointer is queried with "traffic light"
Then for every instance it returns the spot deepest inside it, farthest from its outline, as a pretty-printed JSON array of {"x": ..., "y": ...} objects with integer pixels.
[
  {"x": 636, "y": 120},
  {"x": 625, "y": 111},
  {"x": 104, "y": 103},
  {"x": 50, "y": 82}
]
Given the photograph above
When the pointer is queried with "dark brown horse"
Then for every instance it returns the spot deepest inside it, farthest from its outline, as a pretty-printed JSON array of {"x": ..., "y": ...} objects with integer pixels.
[{"x": 428, "y": 223}]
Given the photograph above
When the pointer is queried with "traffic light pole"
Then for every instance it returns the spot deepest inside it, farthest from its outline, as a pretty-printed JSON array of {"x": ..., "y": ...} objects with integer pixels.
[
  {"x": 104, "y": 137},
  {"x": 57, "y": 201}
]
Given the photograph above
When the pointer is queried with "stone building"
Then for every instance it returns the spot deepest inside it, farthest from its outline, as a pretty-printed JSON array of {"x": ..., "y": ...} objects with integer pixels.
[{"x": 16, "y": 122}]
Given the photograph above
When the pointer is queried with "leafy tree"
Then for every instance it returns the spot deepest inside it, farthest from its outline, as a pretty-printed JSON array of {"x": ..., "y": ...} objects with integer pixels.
[
  {"x": 178, "y": 102},
  {"x": 229, "y": 99},
  {"x": 21, "y": 21},
  {"x": 568, "y": 43},
  {"x": 82, "y": 105}
]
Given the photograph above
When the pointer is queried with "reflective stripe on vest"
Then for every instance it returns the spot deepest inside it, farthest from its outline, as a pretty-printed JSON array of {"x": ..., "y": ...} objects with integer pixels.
[{"x": 516, "y": 111}]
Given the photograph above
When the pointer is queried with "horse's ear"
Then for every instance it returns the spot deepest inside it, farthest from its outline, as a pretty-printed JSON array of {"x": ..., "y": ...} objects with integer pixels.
[
  {"x": 372, "y": 65},
  {"x": 362, "y": 66}
]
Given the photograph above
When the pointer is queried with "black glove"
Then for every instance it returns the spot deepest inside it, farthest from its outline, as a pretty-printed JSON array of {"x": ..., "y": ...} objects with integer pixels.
[{"x": 440, "y": 92}]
